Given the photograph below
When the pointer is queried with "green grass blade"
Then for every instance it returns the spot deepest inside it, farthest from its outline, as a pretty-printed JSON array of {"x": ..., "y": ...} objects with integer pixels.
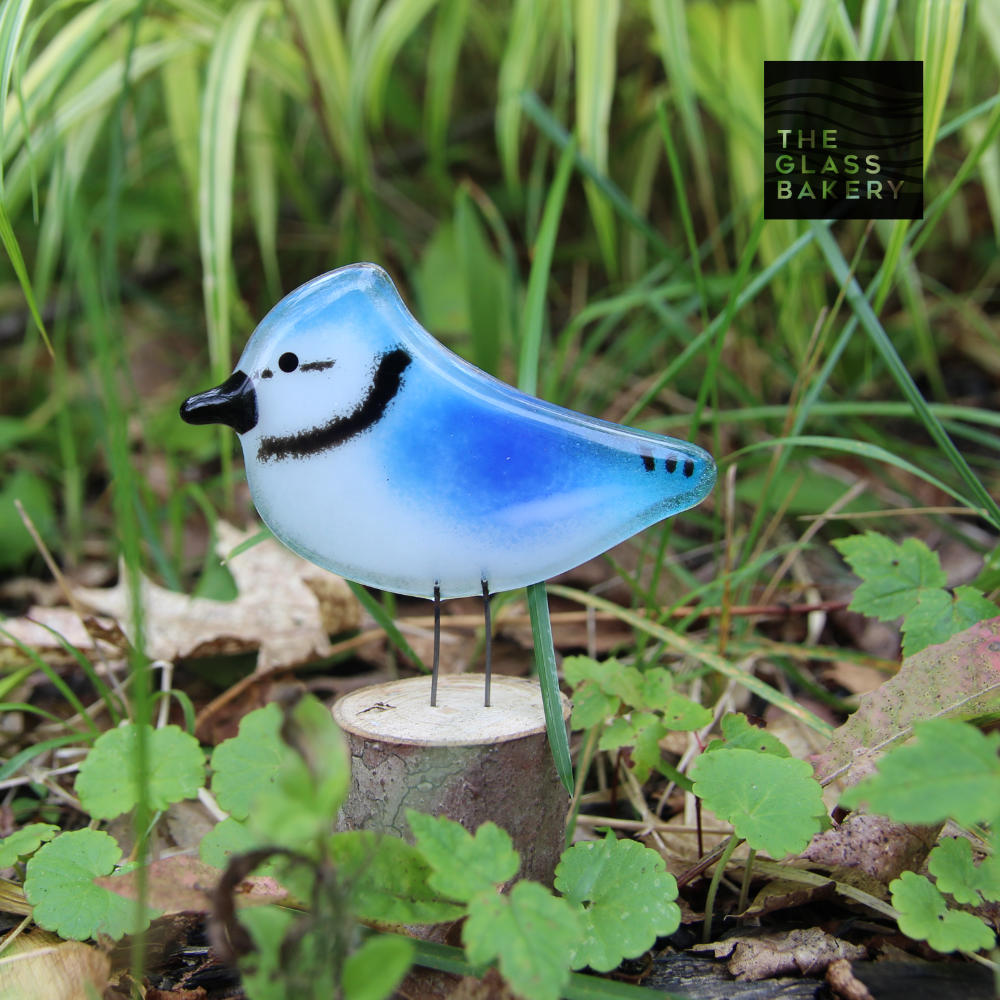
[
  {"x": 939, "y": 31},
  {"x": 12, "y": 766},
  {"x": 541, "y": 266},
  {"x": 13, "y": 249},
  {"x": 442, "y": 65},
  {"x": 551, "y": 127},
  {"x": 595, "y": 28},
  {"x": 880, "y": 339},
  {"x": 220, "y": 109},
  {"x": 850, "y": 446},
  {"x": 385, "y": 622},
  {"x": 548, "y": 679}
]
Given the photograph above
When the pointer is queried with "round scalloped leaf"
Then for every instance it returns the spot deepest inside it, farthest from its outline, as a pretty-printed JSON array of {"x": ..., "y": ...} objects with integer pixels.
[
  {"x": 59, "y": 883},
  {"x": 25, "y": 841},
  {"x": 774, "y": 803},
  {"x": 924, "y": 916},
  {"x": 107, "y": 783},
  {"x": 531, "y": 932},
  {"x": 626, "y": 896},
  {"x": 248, "y": 761},
  {"x": 955, "y": 872}
]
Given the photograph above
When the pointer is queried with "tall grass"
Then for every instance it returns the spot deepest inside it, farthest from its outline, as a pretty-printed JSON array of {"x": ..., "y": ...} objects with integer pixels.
[{"x": 569, "y": 193}]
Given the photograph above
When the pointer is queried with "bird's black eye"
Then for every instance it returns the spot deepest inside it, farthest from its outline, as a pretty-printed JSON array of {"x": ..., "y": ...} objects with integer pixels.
[{"x": 288, "y": 362}]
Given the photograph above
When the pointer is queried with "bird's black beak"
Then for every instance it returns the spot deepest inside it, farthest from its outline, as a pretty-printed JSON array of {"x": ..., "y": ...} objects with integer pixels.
[{"x": 233, "y": 403}]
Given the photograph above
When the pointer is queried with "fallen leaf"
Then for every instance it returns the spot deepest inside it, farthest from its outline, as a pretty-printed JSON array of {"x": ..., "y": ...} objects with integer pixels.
[
  {"x": 957, "y": 677},
  {"x": 286, "y": 609},
  {"x": 780, "y": 894},
  {"x": 760, "y": 956},
  {"x": 183, "y": 884},
  {"x": 91, "y": 638},
  {"x": 39, "y": 965},
  {"x": 841, "y": 979},
  {"x": 875, "y": 845}
]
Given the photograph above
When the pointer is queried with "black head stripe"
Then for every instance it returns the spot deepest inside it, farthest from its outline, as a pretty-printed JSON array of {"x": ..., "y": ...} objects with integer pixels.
[{"x": 386, "y": 383}]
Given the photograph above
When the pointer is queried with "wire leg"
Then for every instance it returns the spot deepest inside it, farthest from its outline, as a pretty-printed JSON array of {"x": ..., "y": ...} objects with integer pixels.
[
  {"x": 437, "y": 645},
  {"x": 489, "y": 640}
]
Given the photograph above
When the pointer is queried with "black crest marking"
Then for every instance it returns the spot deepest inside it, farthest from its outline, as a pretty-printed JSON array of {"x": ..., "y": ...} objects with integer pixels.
[
  {"x": 647, "y": 461},
  {"x": 386, "y": 383},
  {"x": 688, "y": 468},
  {"x": 316, "y": 366},
  {"x": 671, "y": 464}
]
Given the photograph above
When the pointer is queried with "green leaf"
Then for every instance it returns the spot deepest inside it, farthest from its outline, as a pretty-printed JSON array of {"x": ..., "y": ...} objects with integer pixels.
[
  {"x": 376, "y": 968},
  {"x": 626, "y": 896},
  {"x": 924, "y": 916},
  {"x": 532, "y": 933},
  {"x": 248, "y": 761},
  {"x": 775, "y": 803},
  {"x": 739, "y": 734},
  {"x": 389, "y": 880},
  {"x": 591, "y": 706},
  {"x": 59, "y": 884},
  {"x": 15, "y": 542},
  {"x": 939, "y": 615},
  {"x": 229, "y": 838},
  {"x": 950, "y": 770},
  {"x": 643, "y": 732},
  {"x": 464, "y": 865},
  {"x": 25, "y": 841},
  {"x": 109, "y": 786},
  {"x": 895, "y": 577},
  {"x": 955, "y": 872}
]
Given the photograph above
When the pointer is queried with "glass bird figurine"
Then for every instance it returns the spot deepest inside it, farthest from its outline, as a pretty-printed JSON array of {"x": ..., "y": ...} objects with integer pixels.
[{"x": 377, "y": 453}]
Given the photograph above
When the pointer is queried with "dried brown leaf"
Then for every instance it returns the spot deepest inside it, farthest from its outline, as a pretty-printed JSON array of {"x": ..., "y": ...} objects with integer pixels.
[
  {"x": 40, "y": 966},
  {"x": 957, "y": 677},
  {"x": 286, "y": 609},
  {"x": 761, "y": 956}
]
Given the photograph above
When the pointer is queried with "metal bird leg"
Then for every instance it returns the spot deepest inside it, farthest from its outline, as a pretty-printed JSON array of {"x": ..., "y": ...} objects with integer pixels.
[
  {"x": 437, "y": 645},
  {"x": 489, "y": 640}
]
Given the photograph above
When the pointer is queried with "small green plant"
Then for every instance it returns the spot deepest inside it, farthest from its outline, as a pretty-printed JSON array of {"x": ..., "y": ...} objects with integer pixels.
[
  {"x": 905, "y": 580},
  {"x": 282, "y": 779},
  {"x": 949, "y": 771},
  {"x": 633, "y": 708}
]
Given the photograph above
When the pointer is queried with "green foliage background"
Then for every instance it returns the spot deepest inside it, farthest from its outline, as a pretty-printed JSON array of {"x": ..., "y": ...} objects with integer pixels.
[{"x": 171, "y": 168}]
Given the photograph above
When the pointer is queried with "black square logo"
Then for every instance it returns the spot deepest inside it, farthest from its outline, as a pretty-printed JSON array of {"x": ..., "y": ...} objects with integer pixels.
[{"x": 843, "y": 140}]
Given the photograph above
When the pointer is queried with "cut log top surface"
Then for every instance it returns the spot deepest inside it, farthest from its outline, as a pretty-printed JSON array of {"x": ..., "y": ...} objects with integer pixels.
[{"x": 400, "y": 711}]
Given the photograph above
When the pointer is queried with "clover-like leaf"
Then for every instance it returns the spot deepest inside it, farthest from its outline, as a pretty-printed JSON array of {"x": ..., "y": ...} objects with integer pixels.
[
  {"x": 108, "y": 783},
  {"x": 388, "y": 879},
  {"x": 464, "y": 865},
  {"x": 775, "y": 803},
  {"x": 738, "y": 733},
  {"x": 924, "y": 916},
  {"x": 248, "y": 761},
  {"x": 950, "y": 770},
  {"x": 532, "y": 933},
  {"x": 677, "y": 712},
  {"x": 25, "y": 841},
  {"x": 376, "y": 968},
  {"x": 59, "y": 884},
  {"x": 626, "y": 898},
  {"x": 956, "y": 873}
]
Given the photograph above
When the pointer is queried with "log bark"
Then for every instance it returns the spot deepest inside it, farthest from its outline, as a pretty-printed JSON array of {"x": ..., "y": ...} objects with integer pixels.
[{"x": 458, "y": 759}]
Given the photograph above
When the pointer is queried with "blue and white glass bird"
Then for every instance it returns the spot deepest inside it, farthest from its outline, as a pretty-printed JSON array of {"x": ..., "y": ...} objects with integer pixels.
[{"x": 375, "y": 452}]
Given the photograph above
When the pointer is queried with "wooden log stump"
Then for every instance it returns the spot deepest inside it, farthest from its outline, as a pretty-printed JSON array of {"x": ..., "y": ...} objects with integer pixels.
[{"x": 459, "y": 760}]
